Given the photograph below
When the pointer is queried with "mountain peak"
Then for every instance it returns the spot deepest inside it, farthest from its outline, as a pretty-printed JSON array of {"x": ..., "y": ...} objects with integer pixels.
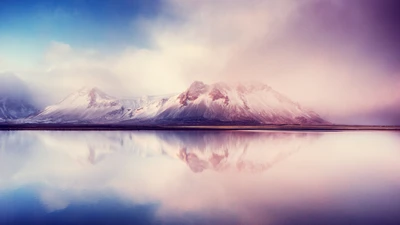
[
  {"x": 93, "y": 93},
  {"x": 85, "y": 104},
  {"x": 196, "y": 89},
  {"x": 89, "y": 89},
  {"x": 222, "y": 90},
  {"x": 246, "y": 102},
  {"x": 217, "y": 103},
  {"x": 197, "y": 86}
]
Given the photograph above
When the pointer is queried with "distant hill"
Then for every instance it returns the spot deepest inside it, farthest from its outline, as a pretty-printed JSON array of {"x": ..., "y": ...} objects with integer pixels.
[{"x": 15, "y": 98}]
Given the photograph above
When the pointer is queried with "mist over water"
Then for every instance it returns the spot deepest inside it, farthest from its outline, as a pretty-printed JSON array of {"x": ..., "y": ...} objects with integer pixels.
[{"x": 197, "y": 177}]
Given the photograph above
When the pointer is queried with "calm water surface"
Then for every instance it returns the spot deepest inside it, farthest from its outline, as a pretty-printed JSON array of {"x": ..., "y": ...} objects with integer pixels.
[{"x": 194, "y": 177}]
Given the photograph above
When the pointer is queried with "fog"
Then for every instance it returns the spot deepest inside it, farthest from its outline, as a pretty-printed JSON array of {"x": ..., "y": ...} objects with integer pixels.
[{"x": 339, "y": 58}]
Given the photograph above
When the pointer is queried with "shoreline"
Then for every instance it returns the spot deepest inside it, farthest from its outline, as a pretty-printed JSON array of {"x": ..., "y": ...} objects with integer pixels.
[{"x": 196, "y": 127}]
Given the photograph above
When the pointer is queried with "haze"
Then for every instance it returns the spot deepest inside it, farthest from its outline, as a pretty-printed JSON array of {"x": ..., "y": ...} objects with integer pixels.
[{"x": 340, "y": 58}]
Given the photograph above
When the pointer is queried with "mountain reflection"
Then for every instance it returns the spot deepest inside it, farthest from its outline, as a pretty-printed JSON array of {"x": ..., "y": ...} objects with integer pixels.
[
  {"x": 200, "y": 150},
  {"x": 197, "y": 177},
  {"x": 238, "y": 151}
]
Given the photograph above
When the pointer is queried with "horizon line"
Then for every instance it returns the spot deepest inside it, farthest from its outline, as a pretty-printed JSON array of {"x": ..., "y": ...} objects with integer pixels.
[{"x": 270, "y": 127}]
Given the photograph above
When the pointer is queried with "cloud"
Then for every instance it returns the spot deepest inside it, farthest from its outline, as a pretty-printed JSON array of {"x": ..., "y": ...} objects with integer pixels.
[
  {"x": 300, "y": 48},
  {"x": 181, "y": 50},
  {"x": 3, "y": 64},
  {"x": 58, "y": 51},
  {"x": 65, "y": 69}
]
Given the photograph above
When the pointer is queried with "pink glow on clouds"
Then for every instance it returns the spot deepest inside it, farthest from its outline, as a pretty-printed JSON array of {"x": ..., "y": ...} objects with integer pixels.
[{"x": 340, "y": 68}]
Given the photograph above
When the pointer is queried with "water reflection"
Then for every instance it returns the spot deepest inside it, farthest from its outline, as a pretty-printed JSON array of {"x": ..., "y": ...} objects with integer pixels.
[{"x": 198, "y": 177}]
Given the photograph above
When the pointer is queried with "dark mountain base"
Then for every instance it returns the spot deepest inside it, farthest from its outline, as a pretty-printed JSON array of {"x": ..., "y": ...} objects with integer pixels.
[
  {"x": 283, "y": 127},
  {"x": 190, "y": 121}
]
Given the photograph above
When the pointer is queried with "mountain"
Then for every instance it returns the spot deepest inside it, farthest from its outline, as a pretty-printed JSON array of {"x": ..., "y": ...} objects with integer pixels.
[
  {"x": 90, "y": 105},
  {"x": 130, "y": 107},
  {"x": 85, "y": 105},
  {"x": 200, "y": 104},
  {"x": 15, "y": 98},
  {"x": 221, "y": 103},
  {"x": 11, "y": 108}
]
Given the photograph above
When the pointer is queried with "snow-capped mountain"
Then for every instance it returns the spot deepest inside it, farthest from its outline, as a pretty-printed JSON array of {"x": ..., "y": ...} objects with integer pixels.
[
  {"x": 130, "y": 107},
  {"x": 15, "y": 99},
  {"x": 202, "y": 104},
  {"x": 91, "y": 105},
  {"x": 85, "y": 105},
  {"x": 223, "y": 103},
  {"x": 11, "y": 108}
]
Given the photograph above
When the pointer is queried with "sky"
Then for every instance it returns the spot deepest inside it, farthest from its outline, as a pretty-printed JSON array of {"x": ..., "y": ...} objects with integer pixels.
[{"x": 340, "y": 58}]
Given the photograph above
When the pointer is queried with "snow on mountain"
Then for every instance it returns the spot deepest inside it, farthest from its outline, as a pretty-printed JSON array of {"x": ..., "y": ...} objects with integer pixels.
[
  {"x": 130, "y": 107},
  {"x": 91, "y": 105},
  {"x": 82, "y": 106},
  {"x": 220, "y": 102},
  {"x": 11, "y": 108},
  {"x": 15, "y": 98},
  {"x": 203, "y": 104}
]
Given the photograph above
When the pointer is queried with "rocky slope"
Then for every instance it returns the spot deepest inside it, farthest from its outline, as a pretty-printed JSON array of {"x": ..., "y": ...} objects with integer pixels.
[{"x": 223, "y": 103}]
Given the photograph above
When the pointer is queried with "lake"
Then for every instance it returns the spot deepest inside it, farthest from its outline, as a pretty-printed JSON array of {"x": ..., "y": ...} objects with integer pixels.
[{"x": 199, "y": 177}]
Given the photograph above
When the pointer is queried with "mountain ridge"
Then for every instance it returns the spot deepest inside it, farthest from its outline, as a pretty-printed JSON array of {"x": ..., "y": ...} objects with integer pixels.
[
  {"x": 218, "y": 103},
  {"x": 15, "y": 98},
  {"x": 200, "y": 104},
  {"x": 230, "y": 104}
]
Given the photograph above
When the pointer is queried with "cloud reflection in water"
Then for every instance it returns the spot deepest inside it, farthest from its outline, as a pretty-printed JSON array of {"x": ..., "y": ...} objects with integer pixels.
[{"x": 240, "y": 176}]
